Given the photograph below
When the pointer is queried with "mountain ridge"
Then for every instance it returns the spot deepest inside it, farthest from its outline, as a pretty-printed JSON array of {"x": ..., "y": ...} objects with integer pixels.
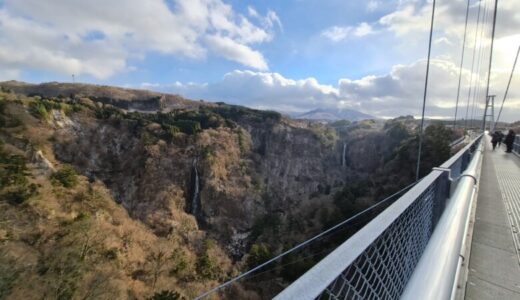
[{"x": 323, "y": 114}]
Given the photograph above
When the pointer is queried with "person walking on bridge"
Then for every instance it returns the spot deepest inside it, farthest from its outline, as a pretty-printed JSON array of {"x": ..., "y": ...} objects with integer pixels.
[
  {"x": 509, "y": 140},
  {"x": 495, "y": 139}
]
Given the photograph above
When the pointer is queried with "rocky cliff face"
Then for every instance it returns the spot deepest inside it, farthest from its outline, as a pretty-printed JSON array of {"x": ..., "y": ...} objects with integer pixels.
[
  {"x": 219, "y": 189},
  {"x": 225, "y": 177}
]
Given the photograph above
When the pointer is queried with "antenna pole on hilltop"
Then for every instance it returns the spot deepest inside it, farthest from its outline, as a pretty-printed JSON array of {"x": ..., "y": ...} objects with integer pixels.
[{"x": 73, "y": 79}]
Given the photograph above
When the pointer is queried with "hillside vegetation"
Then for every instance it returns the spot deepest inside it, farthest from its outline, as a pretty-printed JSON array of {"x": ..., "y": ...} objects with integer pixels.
[{"x": 100, "y": 201}]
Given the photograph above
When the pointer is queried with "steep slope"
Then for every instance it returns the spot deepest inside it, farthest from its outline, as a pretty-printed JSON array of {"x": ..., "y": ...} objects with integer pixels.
[
  {"x": 182, "y": 199},
  {"x": 189, "y": 176},
  {"x": 62, "y": 236}
]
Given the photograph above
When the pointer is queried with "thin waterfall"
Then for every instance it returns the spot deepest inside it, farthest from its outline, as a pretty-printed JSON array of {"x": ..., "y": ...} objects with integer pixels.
[
  {"x": 343, "y": 158},
  {"x": 196, "y": 190}
]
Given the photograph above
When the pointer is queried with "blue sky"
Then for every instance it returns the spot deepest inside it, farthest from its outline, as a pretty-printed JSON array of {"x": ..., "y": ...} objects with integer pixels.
[{"x": 291, "y": 55}]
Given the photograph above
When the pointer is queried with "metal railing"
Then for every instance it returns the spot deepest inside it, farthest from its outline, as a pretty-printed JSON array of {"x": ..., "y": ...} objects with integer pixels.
[
  {"x": 516, "y": 145},
  {"x": 380, "y": 259},
  {"x": 457, "y": 142}
]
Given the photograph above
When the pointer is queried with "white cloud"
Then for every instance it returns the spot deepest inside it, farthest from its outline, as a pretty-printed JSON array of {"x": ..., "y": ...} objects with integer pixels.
[
  {"x": 372, "y": 5},
  {"x": 397, "y": 93},
  {"x": 57, "y": 36},
  {"x": 363, "y": 29},
  {"x": 262, "y": 90},
  {"x": 230, "y": 49},
  {"x": 337, "y": 33}
]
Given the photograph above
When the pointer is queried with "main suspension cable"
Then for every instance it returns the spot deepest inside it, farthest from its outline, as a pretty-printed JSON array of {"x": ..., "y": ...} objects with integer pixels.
[
  {"x": 472, "y": 65},
  {"x": 508, "y": 84},
  {"x": 461, "y": 63},
  {"x": 425, "y": 94},
  {"x": 477, "y": 88},
  {"x": 490, "y": 63}
]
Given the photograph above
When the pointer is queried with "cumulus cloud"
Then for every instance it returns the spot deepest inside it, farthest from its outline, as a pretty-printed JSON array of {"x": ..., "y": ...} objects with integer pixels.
[
  {"x": 232, "y": 50},
  {"x": 270, "y": 20},
  {"x": 98, "y": 38},
  {"x": 262, "y": 90},
  {"x": 372, "y": 5},
  {"x": 390, "y": 95},
  {"x": 338, "y": 33}
]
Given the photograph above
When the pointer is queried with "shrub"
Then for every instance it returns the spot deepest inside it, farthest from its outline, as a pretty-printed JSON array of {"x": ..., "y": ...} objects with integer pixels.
[
  {"x": 188, "y": 126},
  {"x": 21, "y": 194},
  {"x": 258, "y": 254},
  {"x": 179, "y": 260},
  {"x": 206, "y": 266},
  {"x": 106, "y": 112},
  {"x": 166, "y": 295},
  {"x": 14, "y": 185},
  {"x": 38, "y": 110},
  {"x": 111, "y": 254},
  {"x": 66, "y": 177}
]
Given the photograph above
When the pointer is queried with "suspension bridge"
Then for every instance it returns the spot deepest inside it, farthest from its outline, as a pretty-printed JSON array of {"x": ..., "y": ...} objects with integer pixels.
[{"x": 453, "y": 234}]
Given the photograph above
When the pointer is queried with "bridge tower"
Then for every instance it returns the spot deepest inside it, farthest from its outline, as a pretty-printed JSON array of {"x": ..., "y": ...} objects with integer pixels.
[{"x": 489, "y": 111}]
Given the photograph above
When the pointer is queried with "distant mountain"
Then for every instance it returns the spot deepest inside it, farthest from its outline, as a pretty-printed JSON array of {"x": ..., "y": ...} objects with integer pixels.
[{"x": 334, "y": 115}]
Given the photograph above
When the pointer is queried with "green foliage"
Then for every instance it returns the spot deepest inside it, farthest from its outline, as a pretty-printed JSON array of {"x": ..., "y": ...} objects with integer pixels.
[
  {"x": 206, "y": 265},
  {"x": 268, "y": 224},
  {"x": 111, "y": 254},
  {"x": 241, "y": 142},
  {"x": 238, "y": 113},
  {"x": 166, "y": 295},
  {"x": 294, "y": 266},
  {"x": 106, "y": 112},
  {"x": 347, "y": 200},
  {"x": 397, "y": 131},
  {"x": 41, "y": 108},
  {"x": 180, "y": 261},
  {"x": 435, "y": 149},
  {"x": 14, "y": 185},
  {"x": 3, "y": 104},
  {"x": 66, "y": 176},
  {"x": 340, "y": 123},
  {"x": 38, "y": 110},
  {"x": 9, "y": 273},
  {"x": 188, "y": 122},
  {"x": 50, "y": 105},
  {"x": 258, "y": 254},
  {"x": 187, "y": 126},
  {"x": 21, "y": 193}
]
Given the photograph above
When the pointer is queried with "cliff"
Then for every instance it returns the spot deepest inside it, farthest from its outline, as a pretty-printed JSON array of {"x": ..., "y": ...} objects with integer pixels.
[{"x": 101, "y": 199}]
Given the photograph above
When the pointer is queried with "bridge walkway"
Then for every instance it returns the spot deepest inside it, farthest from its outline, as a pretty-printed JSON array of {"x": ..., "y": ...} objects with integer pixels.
[{"x": 494, "y": 265}]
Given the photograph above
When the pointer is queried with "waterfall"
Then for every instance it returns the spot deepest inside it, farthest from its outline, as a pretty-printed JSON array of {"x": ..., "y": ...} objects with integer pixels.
[
  {"x": 196, "y": 189},
  {"x": 343, "y": 158}
]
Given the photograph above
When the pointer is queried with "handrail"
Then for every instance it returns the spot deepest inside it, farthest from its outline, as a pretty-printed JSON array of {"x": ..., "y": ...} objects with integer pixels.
[
  {"x": 457, "y": 141},
  {"x": 436, "y": 274},
  {"x": 316, "y": 280},
  {"x": 357, "y": 268},
  {"x": 516, "y": 145}
]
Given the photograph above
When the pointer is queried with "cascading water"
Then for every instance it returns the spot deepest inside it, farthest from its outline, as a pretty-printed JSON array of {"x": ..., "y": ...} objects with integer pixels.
[
  {"x": 343, "y": 158},
  {"x": 196, "y": 190}
]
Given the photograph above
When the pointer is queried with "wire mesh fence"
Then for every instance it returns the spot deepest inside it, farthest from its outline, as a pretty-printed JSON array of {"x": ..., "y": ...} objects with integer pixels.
[{"x": 383, "y": 268}]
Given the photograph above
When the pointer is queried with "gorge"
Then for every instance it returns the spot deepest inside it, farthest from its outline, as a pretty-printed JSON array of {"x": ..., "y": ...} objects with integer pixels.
[{"x": 171, "y": 195}]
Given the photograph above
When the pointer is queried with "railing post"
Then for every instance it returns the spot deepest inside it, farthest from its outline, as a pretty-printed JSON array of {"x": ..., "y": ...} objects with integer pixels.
[{"x": 442, "y": 193}]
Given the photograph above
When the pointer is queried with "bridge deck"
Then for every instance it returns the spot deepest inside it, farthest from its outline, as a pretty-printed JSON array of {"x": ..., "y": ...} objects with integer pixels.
[{"x": 494, "y": 266}]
